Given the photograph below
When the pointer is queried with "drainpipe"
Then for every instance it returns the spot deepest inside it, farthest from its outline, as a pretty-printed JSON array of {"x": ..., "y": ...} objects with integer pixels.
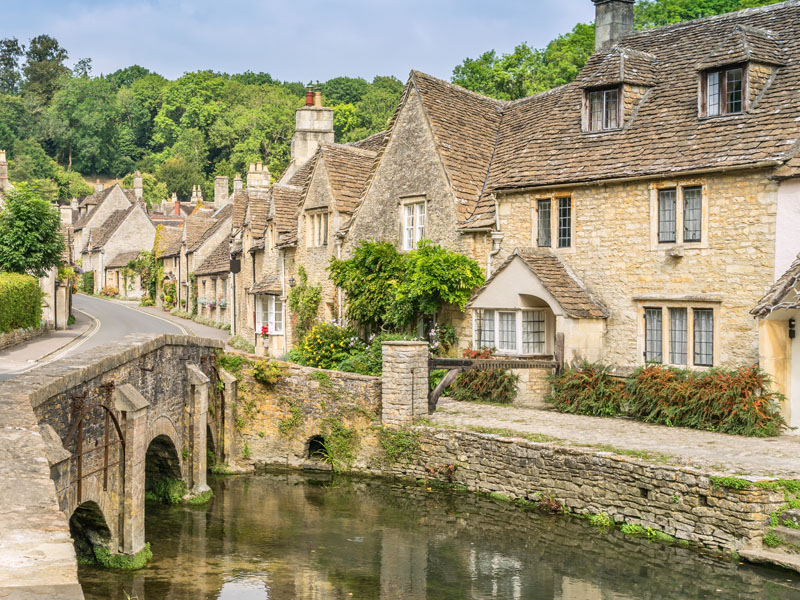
[
  {"x": 497, "y": 238},
  {"x": 233, "y": 305},
  {"x": 255, "y": 299},
  {"x": 178, "y": 285},
  {"x": 338, "y": 289},
  {"x": 283, "y": 295}
]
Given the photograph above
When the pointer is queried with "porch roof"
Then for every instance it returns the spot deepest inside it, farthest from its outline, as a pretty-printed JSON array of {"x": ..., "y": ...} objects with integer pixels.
[{"x": 784, "y": 293}]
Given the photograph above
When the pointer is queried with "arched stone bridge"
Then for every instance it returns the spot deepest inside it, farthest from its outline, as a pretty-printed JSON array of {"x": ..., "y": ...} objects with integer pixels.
[{"x": 112, "y": 417}]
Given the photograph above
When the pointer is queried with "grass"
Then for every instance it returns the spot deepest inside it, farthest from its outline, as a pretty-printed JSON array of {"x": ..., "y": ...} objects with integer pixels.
[
  {"x": 201, "y": 498},
  {"x": 532, "y": 437}
]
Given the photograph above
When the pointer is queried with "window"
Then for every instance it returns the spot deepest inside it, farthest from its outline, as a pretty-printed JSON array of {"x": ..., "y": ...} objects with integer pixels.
[
  {"x": 667, "y": 216},
  {"x": 724, "y": 92},
  {"x": 317, "y": 234},
  {"x": 704, "y": 337},
  {"x": 692, "y": 214},
  {"x": 543, "y": 220},
  {"x": 413, "y": 224},
  {"x": 564, "y": 222},
  {"x": 508, "y": 331},
  {"x": 484, "y": 329},
  {"x": 604, "y": 110},
  {"x": 653, "y": 335},
  {"x": 533, "y": 341},
  {"x": 677, "y": 336},
  {"x": 269, "y": 313}
]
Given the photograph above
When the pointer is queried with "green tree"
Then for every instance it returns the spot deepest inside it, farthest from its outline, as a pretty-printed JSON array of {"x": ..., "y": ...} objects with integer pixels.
[
  {"x": 30, "y": 233},
  {"x": 654, "y": 13},
  {"x": 10, "y": 75},
  {"x": 344, "y": 90},
  {"x": 154, "y": 190},
  {"x": 44, "y": 66},
  {"x": 179, "y": 177},
  {"x": 125, "y": 78}
]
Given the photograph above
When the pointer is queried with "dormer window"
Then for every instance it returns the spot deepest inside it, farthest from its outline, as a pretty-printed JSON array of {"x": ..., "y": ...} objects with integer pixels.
[
  {"x": 603, "y": 109},
  {"x": 724, "y": 91}
]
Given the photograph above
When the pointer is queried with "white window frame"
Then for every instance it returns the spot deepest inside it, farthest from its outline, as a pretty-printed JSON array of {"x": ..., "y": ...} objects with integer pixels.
[
  {"x": 691, "y": 308},
  {"x": 680, "y": 240},
  {"x": 519, "y": 330},
  {"x": 413, "y": 215},
  {"x": 273, "y": 307}
]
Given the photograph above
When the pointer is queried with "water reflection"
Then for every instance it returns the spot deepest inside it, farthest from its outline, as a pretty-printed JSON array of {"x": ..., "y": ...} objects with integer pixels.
[{"x": 281, "y": 536}]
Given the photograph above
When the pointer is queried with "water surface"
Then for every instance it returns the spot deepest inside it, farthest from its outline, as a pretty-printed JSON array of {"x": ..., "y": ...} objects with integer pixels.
[{"x": 282, "y": 536}]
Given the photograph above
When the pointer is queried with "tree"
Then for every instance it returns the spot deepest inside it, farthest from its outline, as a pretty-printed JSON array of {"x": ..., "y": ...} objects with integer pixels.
[
  {"x": 179, "y": 177},
  {"x": 654, "y": 13},
  {"x": 344, "y": 90},
  {"x": 154, "y": 190},
  {"x": 44, "y": 66},
  {"x": 30, "y": 233},
  {"x": 125, "y": 78},
  {"x": 10, "y": 76}
]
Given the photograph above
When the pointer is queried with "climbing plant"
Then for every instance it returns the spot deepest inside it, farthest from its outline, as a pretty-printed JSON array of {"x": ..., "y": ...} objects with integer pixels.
[{"x": 304, "y": 301}]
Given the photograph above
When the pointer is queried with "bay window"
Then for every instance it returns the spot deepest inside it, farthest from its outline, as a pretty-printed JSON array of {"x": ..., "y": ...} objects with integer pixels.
[{"x": 520, "y": 331}]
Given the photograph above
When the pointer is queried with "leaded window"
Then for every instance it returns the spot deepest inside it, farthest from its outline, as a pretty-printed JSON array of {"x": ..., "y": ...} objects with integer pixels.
[
  {"x": 604, "y": 110},
  {"x": 678, "y": 336},
  {"x": 508, "y": 331},
  {"x": 564, "y": 222},
  {"x": 703, "y": 336},
  {"x": 724, "y": 92},
  {"x": 692, "y": 214},
  {"x": 733, "y": 92},
  {"x": 484, "y": 326},
  {"x": 543, "y": 212},
  {"x": 667, "y": 215},
  {"x": 533, "y": 326},
  {"x": 653, "y": 335}
]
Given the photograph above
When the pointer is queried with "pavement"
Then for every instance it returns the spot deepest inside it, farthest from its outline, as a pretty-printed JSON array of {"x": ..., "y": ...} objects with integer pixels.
[
  {"x": 717, "y": 452},
  {"x": 98, "y": 321}
]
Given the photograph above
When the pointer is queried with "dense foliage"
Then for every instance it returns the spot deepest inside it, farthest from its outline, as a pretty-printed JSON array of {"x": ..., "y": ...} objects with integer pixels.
[
  {"x": 491, "y": 385},
  {"x": 304, "y": 299},
  {"x": 326, "y": 345},
  {"x": 20, "y": 302},
  {"x": 30, "y": 233},
  {"x": 386, "y": 289},
  {"x": 737, "y": 401},
  {"x": 529, "y": 70}
]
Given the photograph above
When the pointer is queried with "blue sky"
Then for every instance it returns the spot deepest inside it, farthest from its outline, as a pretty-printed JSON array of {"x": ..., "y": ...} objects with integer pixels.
[{"x": 306, "y": 40}]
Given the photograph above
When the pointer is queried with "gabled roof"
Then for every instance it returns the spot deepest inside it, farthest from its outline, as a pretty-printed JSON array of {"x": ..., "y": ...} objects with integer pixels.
[
  {"x": 373, "y": 142},
  {"x": 92, "y": 203},
  {"x": 196, "y": 227},
  {"x": 259, "y": 211},
  {"x": 348, "y": 168},
  {"x": 218, "y": 261},
  {"x": 170, "y": 241},
  {"x": 744, "y": 44},
  {"x": 285, "y": 199},
  {"x": 271, "y": 284},
  {"x": 619, "y": 65},
  {"x": 570, "y": 293},
  {"x": 122, "y": 259},
  {"x": 239, "y": 201},
  {"x": 784, "y": 293},
  {"x": 100, "y": 235}
]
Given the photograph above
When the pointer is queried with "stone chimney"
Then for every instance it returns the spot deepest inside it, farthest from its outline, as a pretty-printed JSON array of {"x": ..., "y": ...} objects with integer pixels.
[
  {"x": 138, "y": 186},
  {"x": 176, "y": 204},
  {"x": 98, "y": 187},
  {"x": 74, "y": 204},
  {"x": 220, "y": 191},
  {"x": 237, "y": 183},
  {"x": 258, "y": 177},
  {"x": 199, "y": 196},
  {"x": 66, "y": 214},
  {"x": 613, "y": 19},
  {"x": 313, "y": 126},
  {"x": 3, "y": 171}
]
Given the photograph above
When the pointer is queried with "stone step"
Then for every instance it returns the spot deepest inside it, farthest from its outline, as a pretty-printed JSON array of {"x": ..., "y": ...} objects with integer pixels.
[
  {"x": 788, "y": 535},
  {"x": 772, "y": 557}
]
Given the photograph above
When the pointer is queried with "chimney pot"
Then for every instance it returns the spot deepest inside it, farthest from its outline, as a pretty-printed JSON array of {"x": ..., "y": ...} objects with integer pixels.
[
  {"x": 317, "y": 99},
  {"x": 177, "y": 205},
  {"x": 237, "y": 183},
  {"x": 309, "y": 96},
  {"x": 613, "y": 19},
  {"x": 2, "y": 156}
]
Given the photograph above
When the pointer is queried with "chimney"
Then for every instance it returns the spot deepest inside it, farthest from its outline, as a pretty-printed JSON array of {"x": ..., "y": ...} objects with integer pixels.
[
  {"x": 199, "y": 196},
  {"x": 313, "y": 126},
  {"x": 177, "y": 205},
  {"x": 98, "y": 187},
  {"x": 258, "y": 177},
  {"x": 3, "y": 171},
  {"x": 237, "y": 183},
  {"x": 74, "y": 204},
  {"x": 317, "y": 98},
  {"x": 66, "y": 214},
  {"x": 220, "y": 191},
  {"x": 193, "y": 199},
  {"x": 138, "y": 187},
  {"x": 309, "y": 95},
  {"x": 613, "y": 19}
]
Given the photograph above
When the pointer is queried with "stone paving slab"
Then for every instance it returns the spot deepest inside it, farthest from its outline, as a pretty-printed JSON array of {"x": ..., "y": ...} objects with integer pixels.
[{"x": 726, "y": 454}]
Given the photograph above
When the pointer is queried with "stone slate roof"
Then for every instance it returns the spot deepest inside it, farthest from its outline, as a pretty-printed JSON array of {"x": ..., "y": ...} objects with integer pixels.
[
  {"x": 619, "y": 65},
  {"x": 218, "y": 261},
  {"x": 271, "y": 284},
  {"x": 100, "y": 235},
  {"x": 791, "y": 168},
  {"x": 784, "y": 293},
  {"x": 239, "y": 202},
  {"x": 286, "y": 199},
  {"x": 122, "y": 259},
  {"x": 558, "y": 280},
  {"x": 259, "y": 211},
  {"x": 744, "y": 44},
  {"x": 93, "y": 201},
  {"x": 196, "y": 228},
  {"x": 374, "y": 142},
  {"x": 348, "y": 168},
  {"x": 170, "y": 242}
]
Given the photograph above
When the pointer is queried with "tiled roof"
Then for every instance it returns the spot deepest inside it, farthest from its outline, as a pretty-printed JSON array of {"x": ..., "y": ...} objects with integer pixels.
[
  {"x": 170, "y": 242},
  {"x": 619, "y": 65},
  {"x": 541, "y": 142},
  {"x": 100, "y": 235},
  {"x": 259, "y": 210},
  {"x": 348, "y": 168},
  {"x": 196, "y": 227},
  {"x": 791, "y": 168},
  {"x": 122, "y": 259},
  {"x": 744, "y": 44},
  {"x": 271, "y": 284},
  {"x": 285, "y": 200},
  {"x": 373, "y": 142},
  {"x": 240, "y": 199},
  {"x": 218, "y": 261},
  {"x": 784, "y": 293},
  {"x": 92, "y": 202},
  {"x": 558, "y": 280}
]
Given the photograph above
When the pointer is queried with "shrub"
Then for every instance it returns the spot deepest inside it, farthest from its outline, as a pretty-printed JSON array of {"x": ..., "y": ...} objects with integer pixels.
[
  {"x": 327, "y": 345},
  {"x": 20, "y": 302},
  {"x": 494, "y": 385},
  {"x": 268, "y": 372},
  {"x": 87, "y": 282},
  {"x": 304, "y": 302},
  {"x": 369, "y": 360},
  {"x": 587, "y": 390},
  {"x": 109, "y": 290},
  {"x": 145, "y": 301}
]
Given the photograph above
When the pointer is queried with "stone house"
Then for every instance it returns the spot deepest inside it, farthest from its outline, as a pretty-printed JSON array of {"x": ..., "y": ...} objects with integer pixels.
[
  {"x": 93, "y": 211},
  {"x": 212, "y": 283}
]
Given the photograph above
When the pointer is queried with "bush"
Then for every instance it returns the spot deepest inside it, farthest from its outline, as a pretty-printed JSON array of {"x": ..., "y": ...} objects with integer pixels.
[
  {"x": 495, "y": 385},
  {"x": 20, "y": 302},
  {"x": 87, "y": 282},
  {"x": 268, "y": 372},
  {"x": 735, "y": 401},
  {"x": 587, "y": 390},
  {"x": 369, "y": 360},
  {"x": 109, "y": 290},
  {"x": 327, "y": 345}
]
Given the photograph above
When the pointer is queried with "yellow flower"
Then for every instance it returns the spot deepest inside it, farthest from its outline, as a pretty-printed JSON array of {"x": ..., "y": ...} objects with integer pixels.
[{"x": 331, "y": 345}]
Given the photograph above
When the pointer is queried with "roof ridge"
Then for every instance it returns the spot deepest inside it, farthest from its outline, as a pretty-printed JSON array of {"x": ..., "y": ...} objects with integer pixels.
[
  {"x": 353, "y": 149},
  {"x": 458, "y": 88},
  {"x": 538, "y": 95}
]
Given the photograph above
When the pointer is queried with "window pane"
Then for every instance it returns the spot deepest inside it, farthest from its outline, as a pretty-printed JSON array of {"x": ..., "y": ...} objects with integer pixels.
[
  {"x": 734, "y": 91},
  {"x": 420, "y": 221},
  {"x": 508, "y": 331},
  {"x": 611, "y": 116},
  {"x": 703, "y": 336},
  {"x": 677, "y": 336},
  {"x": 653, "y": 335},
  {"x": 666, "y": 215},
  {"x": 712, "y": 94},
  {"x": 595, "y": 111},
  {"x": 409, "y": 229},
  {"x": 533, "y": 332},
  {"x": 564, "y": 222},
  {"x": 544, "y": 222},
  {"x": 277, "y": 315},
  {"x": 486, "y": 329},
  {"x": 325, "y": 229},
  {"x": 692, "y": 214}
]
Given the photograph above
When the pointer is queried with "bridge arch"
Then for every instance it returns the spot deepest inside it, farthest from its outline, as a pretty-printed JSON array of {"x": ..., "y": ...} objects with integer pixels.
[
  {"x": 89, "y": 529},
  {"x": 164, "y": 427}
]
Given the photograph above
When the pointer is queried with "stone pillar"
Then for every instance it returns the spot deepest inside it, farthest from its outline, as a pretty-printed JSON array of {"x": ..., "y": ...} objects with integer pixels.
[
  {"x": 227, "y": 447},
  {"x": 133, "y": 407},
  {"x": 404, "y": 382},
  {"x": 197, "y": 398}
]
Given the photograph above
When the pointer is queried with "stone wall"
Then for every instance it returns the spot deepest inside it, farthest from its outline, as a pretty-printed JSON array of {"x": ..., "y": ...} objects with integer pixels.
[
  {"x": 405, "y": 382},
  {"x": 679, "y": 501},
  {"x": 18, "y": 336}
]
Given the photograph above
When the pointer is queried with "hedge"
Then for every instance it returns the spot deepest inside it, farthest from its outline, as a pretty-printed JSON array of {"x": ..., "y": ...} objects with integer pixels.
[
  {"x": 734, "y": 401},
  {"x": 87, "y": 282},
  {"x": 20, "y": 302}
]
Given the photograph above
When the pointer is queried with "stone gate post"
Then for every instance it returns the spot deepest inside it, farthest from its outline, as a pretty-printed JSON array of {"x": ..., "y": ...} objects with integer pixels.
[
  {"x": 404, "y": 382},
  {"x": 228, "y": 445},
  {"x": 133, "y": 407},
  {"x": 197, "y": 399}
]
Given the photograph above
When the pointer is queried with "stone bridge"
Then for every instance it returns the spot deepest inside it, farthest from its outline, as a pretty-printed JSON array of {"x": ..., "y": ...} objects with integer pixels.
[{"x": 112, "y": 421}]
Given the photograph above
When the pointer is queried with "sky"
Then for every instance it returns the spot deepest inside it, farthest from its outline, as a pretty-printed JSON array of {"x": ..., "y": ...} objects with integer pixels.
[{"x": 294, "y": 41}]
